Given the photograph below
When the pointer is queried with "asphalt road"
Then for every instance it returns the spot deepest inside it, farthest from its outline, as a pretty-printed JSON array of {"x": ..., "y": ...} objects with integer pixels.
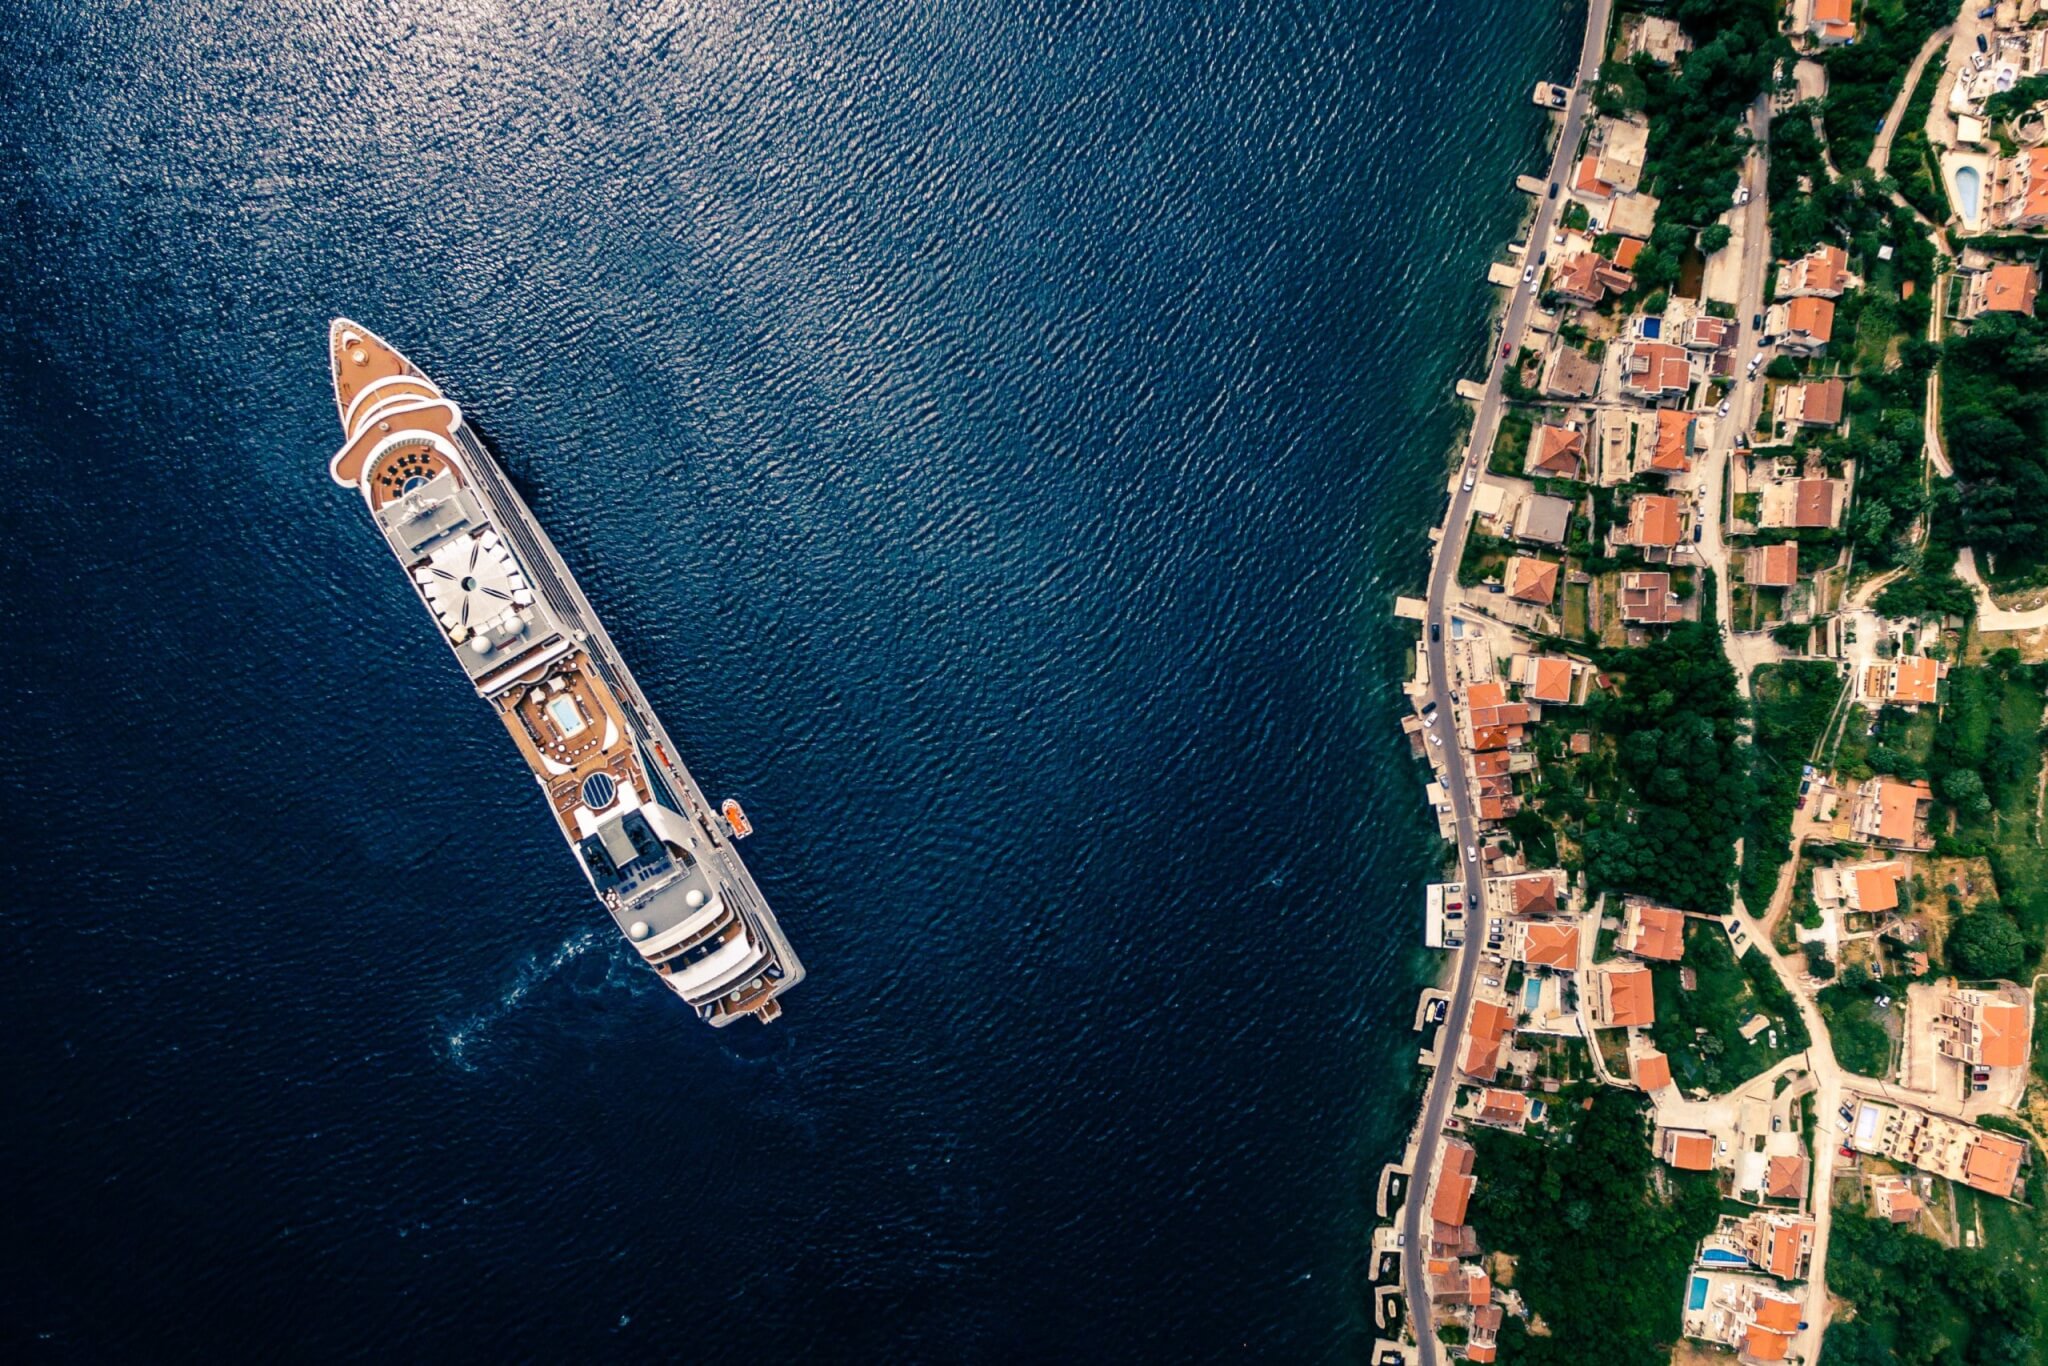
[{"x": 1442, "y": 580}]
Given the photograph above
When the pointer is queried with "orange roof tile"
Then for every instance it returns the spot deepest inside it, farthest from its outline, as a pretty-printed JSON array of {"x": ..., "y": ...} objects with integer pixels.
[
  {"x": 1774, "y": 566},
  {"x": 1814, "y": 502},
  {"x": 1877, "y": 889},
  {"x": 1691, "y": 1152},
  {"x": 2011, "y": 288},
  {"x": 1553, "y": 679},
  {"x": 1673, "y": 454},
  {"x": 1557, "y": 451},
  {"x": 1898, "y": 806},
  {"x": 1779, "y": 1316},
  {"x": 1993, "y": 1163},
  {"x": 2004, "y": 1038},
  {"x": 1532, "y": 580},
  {"x": 1786, "y": 1177},
  {"x": 1631, "y": 1000},
  {"x": 1652, "y": 1070},
  {"x": 1626, "y": 251},
  {"x": 1814, "y": 318},
  {"x": 1533, "y": 894},
  {"x": 1660, "y": 933},
  {"x": 1481, "y": 695},
  {"x": 1916, "y": 679},
  {"x": 1653, "y": 520},
  {"x": 1546, "y": 945},
  {"x": 1485, "y": 1031},
  {"x": 1509, "y": 1106},
  {"x": 1820, "y": 402},
  {"x": 1765, "y": 1345}
]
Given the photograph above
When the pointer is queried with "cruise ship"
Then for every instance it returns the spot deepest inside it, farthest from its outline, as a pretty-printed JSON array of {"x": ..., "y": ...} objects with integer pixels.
[{"x": 655, "y": 852}]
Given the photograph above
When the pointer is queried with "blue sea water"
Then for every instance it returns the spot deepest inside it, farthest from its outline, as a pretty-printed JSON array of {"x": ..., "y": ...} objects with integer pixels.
[{"x": 995, "y": 433}]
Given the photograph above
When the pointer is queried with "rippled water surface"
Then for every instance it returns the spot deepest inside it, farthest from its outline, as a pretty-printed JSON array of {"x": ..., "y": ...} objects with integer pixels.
[{"x": 994, "y": 432}]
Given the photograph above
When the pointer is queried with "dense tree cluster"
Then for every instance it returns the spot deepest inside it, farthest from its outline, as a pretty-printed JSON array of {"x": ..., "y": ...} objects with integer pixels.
[
  {"x": 1995, "y": 424},
  {"x": 1919, "y": 1302},
  {"x": 1863, "y": 76},
  {"x": 1564, "y": 1208},
  {"x": 1696, "y": 139},
  {"x": 1793, "y": 704},
  {"x": 1687, "y": 785}
]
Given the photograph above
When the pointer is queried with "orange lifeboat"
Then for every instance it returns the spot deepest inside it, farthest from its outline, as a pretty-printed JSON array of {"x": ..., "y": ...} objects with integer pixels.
[{"x": 736, "y": 817}]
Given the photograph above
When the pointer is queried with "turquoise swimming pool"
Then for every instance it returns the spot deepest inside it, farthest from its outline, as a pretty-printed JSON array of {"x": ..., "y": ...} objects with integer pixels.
[
  {"x": 1532, "y": 991},
  {"x": 1969, "y": 185},
  {"x": 1696, "y": 1298}
]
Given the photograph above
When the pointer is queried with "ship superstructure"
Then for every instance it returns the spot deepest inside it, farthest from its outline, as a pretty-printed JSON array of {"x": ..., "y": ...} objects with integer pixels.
[{"x": 658, "y": 856}]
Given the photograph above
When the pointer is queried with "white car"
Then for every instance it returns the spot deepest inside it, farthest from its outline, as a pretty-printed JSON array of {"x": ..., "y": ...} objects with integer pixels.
[
  {"x": 1723, "y": 409},
  {"x": 1491, "y": 981},
  {"x": 1528, "y": 274},
  {"x": 1437, "y": 740},
  {"x": 1741, "y": 195},
  {"x": 1471, "y": 851}
]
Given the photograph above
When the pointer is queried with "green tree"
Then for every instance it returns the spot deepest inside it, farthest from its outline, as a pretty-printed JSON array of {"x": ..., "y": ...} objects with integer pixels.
[
  {"x": 1714, "y": 237},
  {"x": 1986, "y": 943}
]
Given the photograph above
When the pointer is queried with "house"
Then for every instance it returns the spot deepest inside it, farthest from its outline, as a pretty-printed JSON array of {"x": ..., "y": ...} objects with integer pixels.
[
  {"x": 1555, "y": 452},
  {"x": 1892, "y": 813},
  {"x": 1543, "y": 519},
  {"x": 1481, "y": 1346},
  {"x": 1785, "y": 1178},
  {"x": 1547, "y": 944},
  {"x": 1658, "y": 38},
  {"x": 1613, "y": 163},
  {"x": 1654, "y": 522},
  {"x": 1800, "y": 503},
  {"x": 1893, "y": 1198},
  {"x": 1626, "y": 999},
  {"x": 1773, "y": 566},
  {"x": 1459, "y": 1283},
  {"x": 1550, "y": 679},
  {"x": 1485, "y": 1034},
  {"x": 1908, "y": 681},
  {"x": 2006, "y": 288},
  {"x": 1491, "y": 721},
  {"x": 2019, "y": 190},
  {"x": 1992, "y": 1163},
  {"x": 1587, "y": 279},
  {"x": 1823, "y": 272},
  {"x": 1804, "y": 326},
  {"x": 1454, "y": 1183},
  {"x": 1654, "y": 369},
  {"x": 1815, "y": 403},
  {"x": 1653, "y": 932},
  {"x": 1504, "y": 1109},
  {"x": 1671, "y": 452},
  {"x": 1626, "y": 250},
  {"x": 1981, "y": 1029},
  {"x": 1777, "y": 1242},
  {"x": 1571, "y": 373},
  {"x": 1647, "y": 599},
  {"x": 1651, "y": 1070},
  {"x": 1864, "y": 888},
  {"x": 1527, "y": 895},
  {"x": 1529, "y": 579},
  {"x": 1685, "y": 1149},
  {"x": 1704, "y": 332},
  {"x": 1830, "y": 24}
]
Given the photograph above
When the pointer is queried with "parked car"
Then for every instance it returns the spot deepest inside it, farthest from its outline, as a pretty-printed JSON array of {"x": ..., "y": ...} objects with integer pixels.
[
  {"x": 1696, "y": 530},
  {"x": 1983, "y": 43},
  {"x": 1777, "y": 1123},
  {"x": 1491, "y": 981},
  {"x": 1553, "y": 190},
  {"x": 1756, "y": 322},
  {"x": 1528, "y": 273},
  {"x": 1436, "y": 740},
  {"x": 1472, "y": 851},
  {"x": 1436, "y": 632},
  {"x": 1722, "y": 411},
  {"x": 1741, "y": 195},
  {"x": 1883, "y": 1001}
]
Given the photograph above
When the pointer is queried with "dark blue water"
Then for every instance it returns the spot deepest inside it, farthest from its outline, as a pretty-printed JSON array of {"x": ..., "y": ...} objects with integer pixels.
[{"x": 994, "y": 433}]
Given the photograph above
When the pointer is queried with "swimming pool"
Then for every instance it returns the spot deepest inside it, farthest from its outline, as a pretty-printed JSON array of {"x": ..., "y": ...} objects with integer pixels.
[
  {"x": 1532, "y": 991},
  {"x": 1721, "y": 1256},
  {"x": 1696, "y": 1298},
  {"x": 567, "y": 719},
  {"x": 1969, "y": 184}
]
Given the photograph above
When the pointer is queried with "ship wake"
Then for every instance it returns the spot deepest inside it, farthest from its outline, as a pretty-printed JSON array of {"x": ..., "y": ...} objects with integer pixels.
[{"x": 475, "y": 1030}]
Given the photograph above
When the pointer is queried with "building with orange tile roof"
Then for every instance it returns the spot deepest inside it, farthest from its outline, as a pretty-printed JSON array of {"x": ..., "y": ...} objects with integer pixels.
[
  {"x": 1509, "y": 1109},
  {"x": 1587, "y": 279},
  {"x": 1769, "y": 1337},
  {"x": 1785, "y": 1178},
  {"x": 1486, "y": 1033},
  {"x": 1586, "y": 181},
  {"x": 1911, "y": 681},
  {"x": 2019, "y": 190},
  {"x": 1777, "y": 1242},
  {"x": 1773, "y": 566},
  {"x": 1686, "y": 1150},
  {"x": 1556, "y": 452},
  {"x": 1992, "y": 1164},
  {"x": 1672, "y": 450},
  {"x": 1982, "y": 1029},
  {"x": 1528, "y": 894},
  {"x": 1529, "y": 579},
  {"x": 1822, "y": 272},
  {"x": 2010, "y": 287},
  {"x": 1816, "y": 403},
  {"x": 1654, "y": 521},
  {"x": 1830, "y": 22},
  {"x": 1892, "y": 813},
  {"x": 1893, "y": 1198},
  {"x": 1626, "y": 250},
  {"x": 1548, "y": 944},
  {"x": 1550, "y": 679},
  {"x": 1626, "y": 998},
  {"x": 1871, "y": 888},
  {"x": 1654, "y": 370},
  {"x": 1459, "y": 1283},
  {"x": 1454, "y": 1183},
  {"x": 1647, "y": 599},
  {"x": 1653, "y": 932},
  {"x": 1805, "y": 325},
  {"x": 1651, "y": 1070}
]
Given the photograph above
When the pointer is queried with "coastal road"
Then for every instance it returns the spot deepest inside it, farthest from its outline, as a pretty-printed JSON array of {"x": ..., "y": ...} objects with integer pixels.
[{"x": 1442, "y": 581}]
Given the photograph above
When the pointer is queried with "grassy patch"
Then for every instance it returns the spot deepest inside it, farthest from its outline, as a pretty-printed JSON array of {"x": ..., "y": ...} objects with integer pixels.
[
  {"x": 1791, "y": 704},
  {"x": 1861, "y": 1030}
]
